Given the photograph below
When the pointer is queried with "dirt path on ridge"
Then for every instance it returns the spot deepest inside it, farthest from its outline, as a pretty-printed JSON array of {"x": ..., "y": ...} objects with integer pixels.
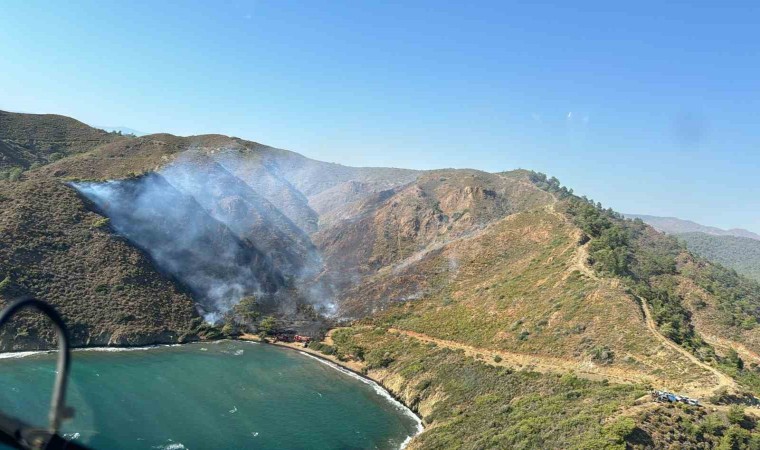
[
  {"x": 723, "y": 380},
  {"x": 542, "y": 364}
]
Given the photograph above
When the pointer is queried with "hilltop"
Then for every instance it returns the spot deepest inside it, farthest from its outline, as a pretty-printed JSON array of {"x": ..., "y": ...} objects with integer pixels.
[
  {"x": 32, "y": 140},
  {"x": 504, "y": 309}
]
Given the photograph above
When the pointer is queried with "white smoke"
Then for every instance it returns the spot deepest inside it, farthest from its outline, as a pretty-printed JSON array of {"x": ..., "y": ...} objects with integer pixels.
[{"x": 215, "y": 234}]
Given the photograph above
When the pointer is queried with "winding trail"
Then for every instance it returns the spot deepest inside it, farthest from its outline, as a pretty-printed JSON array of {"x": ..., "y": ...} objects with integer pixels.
[
  {"x": 589, "y": 370},
  {"x": 723, "y": 380},
  {"x": 580, "y": 263},
  {"x": 536, "y": 363}
]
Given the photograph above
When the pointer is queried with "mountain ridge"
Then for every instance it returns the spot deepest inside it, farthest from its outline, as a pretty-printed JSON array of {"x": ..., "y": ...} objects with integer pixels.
[
  {"x": 498, "y": 263},
  {"x": 674, "y": 225}
]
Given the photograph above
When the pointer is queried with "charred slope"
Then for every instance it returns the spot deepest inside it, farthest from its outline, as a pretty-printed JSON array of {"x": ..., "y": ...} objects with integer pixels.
[
  {"x": 393, "y": 230},
  {"x": 54, "y": 248},
  {"x": 295, "y": 184},
  {"x": 184, "y": 240},
  {"x": 248, "y": 215}
]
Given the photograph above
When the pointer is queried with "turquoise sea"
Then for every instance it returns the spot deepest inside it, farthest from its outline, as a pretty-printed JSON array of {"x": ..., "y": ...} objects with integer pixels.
[{"x": 225, "y": 395}]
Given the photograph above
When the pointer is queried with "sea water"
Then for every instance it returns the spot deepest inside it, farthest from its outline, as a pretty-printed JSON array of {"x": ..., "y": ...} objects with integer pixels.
[{"x": 225, "y": 394}]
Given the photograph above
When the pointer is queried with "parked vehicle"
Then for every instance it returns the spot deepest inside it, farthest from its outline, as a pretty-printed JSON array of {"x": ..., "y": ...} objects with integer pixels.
[{"x": 669, "y": 397}]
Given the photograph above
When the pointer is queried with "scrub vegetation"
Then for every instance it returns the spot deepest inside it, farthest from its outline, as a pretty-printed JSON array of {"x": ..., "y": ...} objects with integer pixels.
[
  {"x": 506, "y": 310},
  {"x": 470, "y": 403}
]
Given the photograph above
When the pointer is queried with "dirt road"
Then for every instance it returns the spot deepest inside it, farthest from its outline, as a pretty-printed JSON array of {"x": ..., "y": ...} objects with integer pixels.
[
  {"x": 542, "y": 364},
  {"x": 722, "y": 380}
]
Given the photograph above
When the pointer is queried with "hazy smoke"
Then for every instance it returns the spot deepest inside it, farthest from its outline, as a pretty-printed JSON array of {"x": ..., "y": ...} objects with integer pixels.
[{"x": 215, "y": 234}]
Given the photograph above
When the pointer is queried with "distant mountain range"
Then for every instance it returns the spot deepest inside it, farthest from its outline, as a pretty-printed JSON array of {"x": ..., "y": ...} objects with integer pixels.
[
  {"x": 674, "y": 225},
  {"x": 736, "y": 248}
]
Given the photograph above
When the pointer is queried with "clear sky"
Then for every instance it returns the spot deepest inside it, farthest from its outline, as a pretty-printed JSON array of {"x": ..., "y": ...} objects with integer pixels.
[{"x": 648, "y": 107}]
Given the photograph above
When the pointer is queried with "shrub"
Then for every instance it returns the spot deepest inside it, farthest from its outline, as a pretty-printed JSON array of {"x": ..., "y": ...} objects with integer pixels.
[
  {"x": 11, "y": 174},
  {"x": 377, "y": 359},
  {"x": 735, "y": 438},
  {"x": 247, "y": 309},
  {"x": 103, "y": 222},
  {"x": 322, "y": 347},
  {"x": 735, "y": 414},
  {"x": 230, "y": 329},
  {"x": 102, "y": 289},
  {"x": 602, "y": 354},
  {"x": 5, "y": 284},
  {"x": 267, "y": 326}
]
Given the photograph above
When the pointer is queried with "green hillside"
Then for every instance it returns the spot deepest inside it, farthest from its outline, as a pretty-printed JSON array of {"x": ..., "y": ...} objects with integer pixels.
[{"x": 738, "y": 253}]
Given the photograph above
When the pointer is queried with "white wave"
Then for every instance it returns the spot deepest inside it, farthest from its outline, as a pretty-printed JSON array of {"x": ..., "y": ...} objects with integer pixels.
[
  {"x": 409, "y": 438},
  {"x": 171, "y": 446},
  {"x": 13, "y": 355},
  {"x": 233, "y": 410},
  {"x": 380, "y": 391},
  {"x": 125, "y": 349},
  {"x": 71, "y": 436}
]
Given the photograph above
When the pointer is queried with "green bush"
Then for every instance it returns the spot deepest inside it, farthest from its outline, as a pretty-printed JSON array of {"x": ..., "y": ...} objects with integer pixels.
[
  {"x": 602, "y": 354},
  {"x": 378, "y": 359},
  {"x": 322, "y": 348},
  {"x": 11, "y": 173},
  {"x": 267, "y": 326},
  {"x": 102, "y": 289},
  {"x": 247, "y": 309},
  {"x": 53, "y": 157},
  {"x": 230, "y": 329},
  {"x": 735, "y": 414},
  {"x": 102, "y": 222},
  {"x": 5, "y": 284}
]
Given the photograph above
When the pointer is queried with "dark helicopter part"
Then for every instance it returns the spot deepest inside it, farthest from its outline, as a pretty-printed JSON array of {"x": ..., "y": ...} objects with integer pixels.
[{"x": 18, "y": 434}]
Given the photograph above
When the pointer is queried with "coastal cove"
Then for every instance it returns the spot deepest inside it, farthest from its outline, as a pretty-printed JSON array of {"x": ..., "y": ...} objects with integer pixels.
[{"x": 209, "y": 395}]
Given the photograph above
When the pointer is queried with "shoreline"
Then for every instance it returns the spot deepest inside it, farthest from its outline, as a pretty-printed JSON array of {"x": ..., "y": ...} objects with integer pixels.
[{"x": 348, "y": 367}]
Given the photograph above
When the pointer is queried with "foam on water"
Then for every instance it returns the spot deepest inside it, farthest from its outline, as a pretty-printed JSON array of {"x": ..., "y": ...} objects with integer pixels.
[
  {"x": 380, "y": 391},
  {"x": 14, "y": 355},
  {"x": 124, "y": 349},
  {"x": 171, "y": 446}
]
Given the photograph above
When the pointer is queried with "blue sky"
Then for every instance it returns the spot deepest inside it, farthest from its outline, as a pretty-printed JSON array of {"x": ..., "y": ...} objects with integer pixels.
[{"x": 646, "y": 107}]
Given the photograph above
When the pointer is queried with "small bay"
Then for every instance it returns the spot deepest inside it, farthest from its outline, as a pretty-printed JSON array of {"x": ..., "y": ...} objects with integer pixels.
[{"x": 223, "y": 394}]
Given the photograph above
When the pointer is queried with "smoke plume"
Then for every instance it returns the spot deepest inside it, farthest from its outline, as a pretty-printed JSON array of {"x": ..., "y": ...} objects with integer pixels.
[{"x": 215, "y": 234}]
